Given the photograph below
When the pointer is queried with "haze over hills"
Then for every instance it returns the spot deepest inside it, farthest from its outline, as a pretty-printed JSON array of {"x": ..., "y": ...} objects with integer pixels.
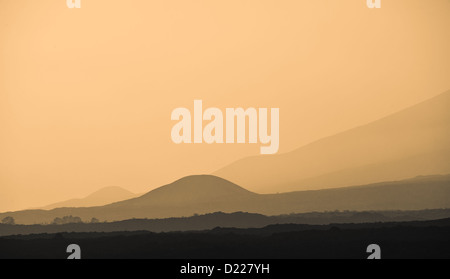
[
  {"x": 412, "y": 142},
  {"x": 103, "y": 196},
  {"x": 203, "y": 194}
]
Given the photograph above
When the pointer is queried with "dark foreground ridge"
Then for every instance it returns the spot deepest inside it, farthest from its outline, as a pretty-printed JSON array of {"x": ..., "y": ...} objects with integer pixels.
[
  {"x": 242, "y": 220},
  {"x": 418, "y": 239}
]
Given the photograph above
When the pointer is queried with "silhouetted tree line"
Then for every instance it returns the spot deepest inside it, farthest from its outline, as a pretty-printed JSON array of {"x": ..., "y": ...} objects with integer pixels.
[
  {"x": 403, "y": 240},
  {"x": 8, "y": 220},
  {"x": 71, "y": 220}
]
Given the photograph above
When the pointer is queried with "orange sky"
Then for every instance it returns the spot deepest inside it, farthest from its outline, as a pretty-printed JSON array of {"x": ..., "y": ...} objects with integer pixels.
[{"x": 86, "y": 94}]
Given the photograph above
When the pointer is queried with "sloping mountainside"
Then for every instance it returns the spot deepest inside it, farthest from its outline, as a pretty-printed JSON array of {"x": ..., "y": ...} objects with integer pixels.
[
  {"x": 203, "y": 194},
  {"x": 406, "y": 144},
  {"x": 103, "y": 196}
]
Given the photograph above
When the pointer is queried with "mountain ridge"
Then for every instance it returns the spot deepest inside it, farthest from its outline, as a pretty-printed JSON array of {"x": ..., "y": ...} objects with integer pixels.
[
  {"x": 100, "y": 197},
  {"x": 420, "y": 132},
  {"x": 413, "y": 194}
]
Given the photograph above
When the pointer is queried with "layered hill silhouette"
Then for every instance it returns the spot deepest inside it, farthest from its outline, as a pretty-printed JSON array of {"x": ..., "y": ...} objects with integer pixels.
[
  {"x": 424, "y": 239},
  {"x": 103, "y": 196},
  {"x": 236, "y": 220},
  {"x": 203, "y": 194},
  {"x": 406, "y": 144}
]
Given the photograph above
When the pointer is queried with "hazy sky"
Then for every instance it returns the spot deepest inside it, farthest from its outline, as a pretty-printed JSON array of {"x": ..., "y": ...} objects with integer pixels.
[{"x": 86, "y": 94}]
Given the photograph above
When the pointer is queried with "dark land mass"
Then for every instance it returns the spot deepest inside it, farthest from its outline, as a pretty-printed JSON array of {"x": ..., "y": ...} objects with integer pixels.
[
  {"x": 417, "y": 239},
  {"x": 235, "y": 220}
]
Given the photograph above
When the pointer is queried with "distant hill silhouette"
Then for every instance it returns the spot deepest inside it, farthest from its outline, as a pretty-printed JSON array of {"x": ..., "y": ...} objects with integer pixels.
[
  {"x": 192, "y": 190},
  {"x": 412, "y": 142},
  {"x": 103, "y": 196},
  {"x": 203, "y": 194}
]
